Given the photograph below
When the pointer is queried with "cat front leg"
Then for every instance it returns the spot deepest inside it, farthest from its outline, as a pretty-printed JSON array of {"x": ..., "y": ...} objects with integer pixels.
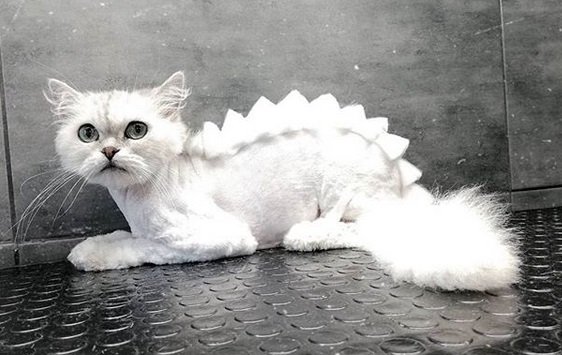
[
  {"x": 208, "y": 236},
  {"x": 118, "y": 250},
  {"x": 199, "y": 236}
]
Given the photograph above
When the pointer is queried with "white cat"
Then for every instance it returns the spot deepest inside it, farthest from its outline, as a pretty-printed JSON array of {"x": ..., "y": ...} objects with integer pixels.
[{"x": 307, "y": 176}]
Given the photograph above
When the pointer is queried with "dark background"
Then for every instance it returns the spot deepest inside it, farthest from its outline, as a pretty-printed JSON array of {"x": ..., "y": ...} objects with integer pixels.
[{"x": 476, "y": 85}]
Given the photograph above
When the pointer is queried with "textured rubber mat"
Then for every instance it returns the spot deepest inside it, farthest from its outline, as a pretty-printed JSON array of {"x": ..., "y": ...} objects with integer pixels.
[{"x": 335, "y": 302}]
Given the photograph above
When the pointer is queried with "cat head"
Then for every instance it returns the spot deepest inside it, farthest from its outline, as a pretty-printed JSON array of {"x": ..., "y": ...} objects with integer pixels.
[{"x": 119, "y": 138}]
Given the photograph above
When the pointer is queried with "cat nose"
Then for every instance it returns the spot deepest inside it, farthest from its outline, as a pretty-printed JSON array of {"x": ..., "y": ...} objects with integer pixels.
[{"x": 109, "y": 152}]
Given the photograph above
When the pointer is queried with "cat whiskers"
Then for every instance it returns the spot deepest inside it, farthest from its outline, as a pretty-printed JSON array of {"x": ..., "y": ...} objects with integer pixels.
[
  {"x": 84, "y": 182},
  {"x": 18, "y": 224},
  {"x": 24, "y": 223},
  {"x": 36, "y": 176},
  {"x": 156, "y": 183}
]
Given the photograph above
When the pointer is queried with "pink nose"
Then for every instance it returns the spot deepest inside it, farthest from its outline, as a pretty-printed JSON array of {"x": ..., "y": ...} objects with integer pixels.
[{"x": 109, "y": 152}]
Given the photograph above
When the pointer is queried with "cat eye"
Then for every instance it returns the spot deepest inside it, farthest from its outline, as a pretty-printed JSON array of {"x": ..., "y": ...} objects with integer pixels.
[
  {"x": 88, "y": 133},
  {"x": 136, "y": 130}
]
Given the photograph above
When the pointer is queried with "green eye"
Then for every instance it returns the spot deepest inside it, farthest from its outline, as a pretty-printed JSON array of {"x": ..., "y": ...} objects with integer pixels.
[
  {"x": 136, "y": 130},
  {"x": 88, "y": 133}
]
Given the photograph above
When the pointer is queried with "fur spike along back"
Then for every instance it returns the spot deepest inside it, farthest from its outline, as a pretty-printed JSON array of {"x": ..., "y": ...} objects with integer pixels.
[
  {"x": 291, "y": 114},
  {"x": 295, "y": 113},
  {"x": 409, "y": 174}
]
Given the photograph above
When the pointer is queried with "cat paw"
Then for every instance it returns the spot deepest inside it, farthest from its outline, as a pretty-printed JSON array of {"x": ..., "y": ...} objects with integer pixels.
[
  {"x": 100, "y": 253},
  {"x": 87, "y": 257}
]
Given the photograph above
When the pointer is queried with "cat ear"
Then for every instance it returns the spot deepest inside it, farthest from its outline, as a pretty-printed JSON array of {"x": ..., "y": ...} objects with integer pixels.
[
  {"x": 61, "y": 97},
  {"x": 170, "y": 96}
]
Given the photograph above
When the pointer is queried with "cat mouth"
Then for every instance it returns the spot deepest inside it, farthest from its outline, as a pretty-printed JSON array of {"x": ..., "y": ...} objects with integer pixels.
[{"x": 112, "y": 167}]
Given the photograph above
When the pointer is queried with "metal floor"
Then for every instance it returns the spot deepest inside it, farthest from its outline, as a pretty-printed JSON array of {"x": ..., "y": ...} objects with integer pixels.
[{"x": 336, "y": 302}]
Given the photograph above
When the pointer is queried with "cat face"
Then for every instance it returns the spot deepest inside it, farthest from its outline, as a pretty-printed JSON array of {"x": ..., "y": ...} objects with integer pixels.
[{"x": 118, "y": 138}]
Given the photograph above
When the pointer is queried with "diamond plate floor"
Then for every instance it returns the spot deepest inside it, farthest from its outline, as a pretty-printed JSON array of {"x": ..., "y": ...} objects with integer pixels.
[{"x": 336, "y": 302}]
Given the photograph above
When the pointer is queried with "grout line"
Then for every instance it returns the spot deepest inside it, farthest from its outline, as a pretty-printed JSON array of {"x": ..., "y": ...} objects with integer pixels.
[
  {"x": 505, "y": 96},
  {"x": 539, "y": 188},
  {"x": 7, "y": 156}
]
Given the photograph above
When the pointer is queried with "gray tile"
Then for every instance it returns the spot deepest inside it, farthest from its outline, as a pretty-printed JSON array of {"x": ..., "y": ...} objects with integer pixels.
[
  {"x": 536, "y": 199},
  {"x": 6, "y": 255},
  {"x": 5, "y": 221},
  {"x": 434, "y": 68},
  {"x": 43, "y": 251},
  {"x": 534, "y": 75}
]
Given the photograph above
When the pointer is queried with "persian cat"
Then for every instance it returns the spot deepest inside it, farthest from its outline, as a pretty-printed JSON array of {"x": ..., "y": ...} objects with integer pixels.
[{"x": 303, "y": 175}]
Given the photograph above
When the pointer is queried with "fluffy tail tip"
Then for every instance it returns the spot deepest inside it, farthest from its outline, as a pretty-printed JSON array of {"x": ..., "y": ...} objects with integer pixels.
[{"x": 459, "y": 242}]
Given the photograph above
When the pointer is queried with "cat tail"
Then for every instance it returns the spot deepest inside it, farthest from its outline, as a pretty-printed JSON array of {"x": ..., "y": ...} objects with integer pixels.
[{"x": 455, "y": 241}]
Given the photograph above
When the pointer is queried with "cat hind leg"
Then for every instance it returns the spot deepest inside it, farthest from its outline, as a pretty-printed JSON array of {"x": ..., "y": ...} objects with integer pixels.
[
  {"x": 326, "y": 232},
  {"x": 321, "y": 234}
]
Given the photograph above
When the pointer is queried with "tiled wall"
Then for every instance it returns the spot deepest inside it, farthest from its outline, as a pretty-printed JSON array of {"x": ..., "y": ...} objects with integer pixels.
[
  {"x": 533, "y": 48},
  {"x": 434, "y": 67}
]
